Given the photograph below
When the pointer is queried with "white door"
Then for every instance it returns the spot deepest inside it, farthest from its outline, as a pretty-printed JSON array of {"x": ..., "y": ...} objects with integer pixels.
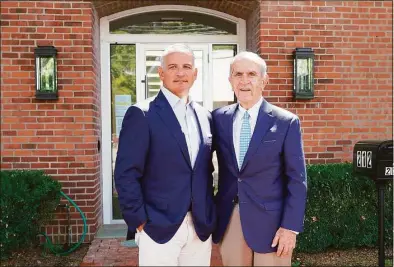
[{"x": 133, "y": 78}]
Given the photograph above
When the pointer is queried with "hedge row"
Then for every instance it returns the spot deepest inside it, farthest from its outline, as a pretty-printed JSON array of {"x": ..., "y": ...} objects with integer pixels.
[
  {"x": 28, "y": 200},
  {"x": 342, "y": 210}
]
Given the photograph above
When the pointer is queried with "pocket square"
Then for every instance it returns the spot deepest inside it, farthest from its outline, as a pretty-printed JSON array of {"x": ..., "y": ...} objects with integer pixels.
[{"x": 273, "y": 128}]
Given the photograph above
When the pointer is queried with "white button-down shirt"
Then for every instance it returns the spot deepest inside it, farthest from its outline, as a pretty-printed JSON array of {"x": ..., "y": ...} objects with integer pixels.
[
  {"x": 188, "y": 121},
  {"x": 253, "y": 112}
]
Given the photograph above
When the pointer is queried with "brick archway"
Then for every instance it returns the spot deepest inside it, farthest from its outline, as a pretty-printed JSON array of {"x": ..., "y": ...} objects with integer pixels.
[
  {"x": 240, "y": 8},
  {"x": 249, "y": 10}
]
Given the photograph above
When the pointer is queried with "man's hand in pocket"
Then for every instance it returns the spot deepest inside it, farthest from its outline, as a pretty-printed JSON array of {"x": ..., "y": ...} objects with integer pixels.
[{"x": 141, "y": 227}]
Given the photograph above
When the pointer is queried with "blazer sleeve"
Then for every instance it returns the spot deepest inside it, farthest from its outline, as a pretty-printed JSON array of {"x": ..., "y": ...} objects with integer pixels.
[
  {"x": 295, "y": 171},
  {"x": 130, "y": 164}
]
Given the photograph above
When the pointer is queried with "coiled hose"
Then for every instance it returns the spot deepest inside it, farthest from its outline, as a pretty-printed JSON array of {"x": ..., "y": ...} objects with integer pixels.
[{"x": 85, "y": 229}]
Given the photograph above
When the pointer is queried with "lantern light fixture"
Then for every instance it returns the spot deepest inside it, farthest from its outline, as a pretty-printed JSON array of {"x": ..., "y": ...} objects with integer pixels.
[
  {"x": 303, "y": 80},
  {"x": 46, "y": 72}
]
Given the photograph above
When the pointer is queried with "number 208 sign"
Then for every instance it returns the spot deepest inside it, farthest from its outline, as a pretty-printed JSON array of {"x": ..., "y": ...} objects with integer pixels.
[{"x": 364, "y": 159}]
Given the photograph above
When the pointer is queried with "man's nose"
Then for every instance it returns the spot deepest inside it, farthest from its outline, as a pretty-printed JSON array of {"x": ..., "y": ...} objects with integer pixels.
[
  {"x": 244, "y": 79},
  {"x": 180, "y": 72}
]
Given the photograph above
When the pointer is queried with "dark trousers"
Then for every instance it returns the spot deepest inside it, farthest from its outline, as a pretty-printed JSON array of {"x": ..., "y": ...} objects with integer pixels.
[{"x": 130, "y": 235}]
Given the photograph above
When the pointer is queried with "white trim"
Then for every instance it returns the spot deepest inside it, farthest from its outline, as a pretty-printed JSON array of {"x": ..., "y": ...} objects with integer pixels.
[
  {"x": 210, "y": 76},
  {"x": 162, "y": 38},
  {"x": 106, "y": 139},
  {"x": 139, "y": 87},
  {"x": 241, "y": 33}
]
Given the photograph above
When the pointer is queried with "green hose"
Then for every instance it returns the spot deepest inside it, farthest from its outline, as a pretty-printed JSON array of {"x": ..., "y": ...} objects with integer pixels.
[{"x": 85, "y": 229}]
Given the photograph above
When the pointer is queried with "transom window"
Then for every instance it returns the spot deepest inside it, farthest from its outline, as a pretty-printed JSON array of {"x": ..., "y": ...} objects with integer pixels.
[{"x": 173, "y": 22}]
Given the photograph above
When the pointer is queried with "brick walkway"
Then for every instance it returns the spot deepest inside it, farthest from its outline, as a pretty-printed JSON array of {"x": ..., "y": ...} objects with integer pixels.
[{"x": 109, "y": 252}]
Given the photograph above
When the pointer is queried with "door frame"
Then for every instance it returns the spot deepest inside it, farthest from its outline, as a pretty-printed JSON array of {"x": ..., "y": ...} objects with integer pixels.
[{"x": 142, "y": 41}]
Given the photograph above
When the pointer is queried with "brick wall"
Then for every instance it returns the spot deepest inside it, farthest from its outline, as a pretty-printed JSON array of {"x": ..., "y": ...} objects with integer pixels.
[
  {"x": 253, "y": 31},
  {"x": 352, "y": 41},
  {"x": 97, "y": 188},
  {"x": 58, "y": 136}
]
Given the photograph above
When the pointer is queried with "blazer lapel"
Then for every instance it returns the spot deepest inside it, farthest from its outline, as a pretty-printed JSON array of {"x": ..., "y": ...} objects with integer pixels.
[
  {"x": 263, "y": 123},
  {"x": 168, "y": 117},
  {"x": 230, "y": 120}
]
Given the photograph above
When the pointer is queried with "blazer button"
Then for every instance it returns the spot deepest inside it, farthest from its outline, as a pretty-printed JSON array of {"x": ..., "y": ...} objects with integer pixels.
[{"x": 239, "y": 180}]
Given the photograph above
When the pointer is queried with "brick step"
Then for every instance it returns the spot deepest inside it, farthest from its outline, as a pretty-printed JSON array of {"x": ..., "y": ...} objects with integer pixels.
[{"x": 110, "y": 252}]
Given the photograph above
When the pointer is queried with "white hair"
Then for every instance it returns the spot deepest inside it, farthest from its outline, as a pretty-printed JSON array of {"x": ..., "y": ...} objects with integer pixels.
[
  {"x": 252, "y": 57},
  {"x": 176, "y": 48}
]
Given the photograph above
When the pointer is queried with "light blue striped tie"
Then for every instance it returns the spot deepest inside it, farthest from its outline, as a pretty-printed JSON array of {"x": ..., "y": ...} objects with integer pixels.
[{"x": 244, "y": 138}]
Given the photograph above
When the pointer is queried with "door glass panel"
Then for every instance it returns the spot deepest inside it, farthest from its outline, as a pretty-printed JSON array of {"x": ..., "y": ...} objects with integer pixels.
[
  {"x": 123, "y": 95},
  {"x": 222, "y": 54},
  {"x": 152, "y": 79},
  {"x": 152, "y": 87}
]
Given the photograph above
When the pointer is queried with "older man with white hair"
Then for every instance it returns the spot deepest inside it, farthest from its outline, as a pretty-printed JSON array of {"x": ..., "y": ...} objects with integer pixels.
[
  {"x": 262, "y": 177},
  {"x": 163, "y": 171}
]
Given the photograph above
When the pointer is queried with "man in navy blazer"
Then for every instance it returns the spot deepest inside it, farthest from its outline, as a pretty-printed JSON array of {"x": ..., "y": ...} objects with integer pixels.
[
  {"x": 262, "y": 177},
  {"x": 163, "y": 171}
]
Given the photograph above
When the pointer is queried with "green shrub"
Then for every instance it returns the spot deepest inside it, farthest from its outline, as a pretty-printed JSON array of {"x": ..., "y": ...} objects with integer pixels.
[
  {"x": 28, "y": 200},
  {"x": 342, "y": 210}
]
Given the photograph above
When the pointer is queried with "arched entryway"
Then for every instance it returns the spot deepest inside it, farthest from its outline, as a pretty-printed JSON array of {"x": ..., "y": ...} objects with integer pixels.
[{"x": 131, "y": 42}]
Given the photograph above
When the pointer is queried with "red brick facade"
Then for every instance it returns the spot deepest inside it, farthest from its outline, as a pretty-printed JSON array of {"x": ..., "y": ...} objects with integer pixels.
[
  {"x": 57, "y": 136},
  {"x": 352, "y": 41}
]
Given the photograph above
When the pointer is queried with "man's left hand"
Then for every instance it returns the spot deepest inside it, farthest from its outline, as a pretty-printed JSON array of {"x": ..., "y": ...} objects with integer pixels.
[{"x": 286, "y": 240}]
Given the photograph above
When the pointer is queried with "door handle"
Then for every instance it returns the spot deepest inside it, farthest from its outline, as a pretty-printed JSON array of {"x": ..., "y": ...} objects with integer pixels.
[{"x": 146, "y": 85}]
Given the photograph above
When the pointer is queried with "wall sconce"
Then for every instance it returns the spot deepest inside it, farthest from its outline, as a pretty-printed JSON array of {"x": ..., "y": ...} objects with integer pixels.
[
  {"x": 303, "y": 73},
  {"x": 46, "y": 74}
]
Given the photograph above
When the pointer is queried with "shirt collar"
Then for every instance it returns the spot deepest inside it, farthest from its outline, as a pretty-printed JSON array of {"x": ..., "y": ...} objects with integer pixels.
[
  {"x": 173, "y": 99},
  {"x": 253, "y": 111}
]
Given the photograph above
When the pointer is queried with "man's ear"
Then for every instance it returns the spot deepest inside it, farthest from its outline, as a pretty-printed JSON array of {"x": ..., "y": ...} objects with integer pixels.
[
  {"x": 195, "y": 73},
  {"x": 265, "y": 80},
  {"x": 161, "y": 72}
]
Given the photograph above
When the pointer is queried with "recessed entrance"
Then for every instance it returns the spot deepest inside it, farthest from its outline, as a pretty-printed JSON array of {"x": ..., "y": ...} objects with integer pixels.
[{"x": 131, "y": 46}]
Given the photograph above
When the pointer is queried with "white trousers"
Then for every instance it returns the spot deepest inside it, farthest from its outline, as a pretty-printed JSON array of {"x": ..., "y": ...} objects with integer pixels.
[{"x": 184, "y": 248}]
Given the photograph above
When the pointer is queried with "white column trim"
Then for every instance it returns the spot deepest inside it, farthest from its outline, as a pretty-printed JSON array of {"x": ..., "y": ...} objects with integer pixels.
[{"x": 106, "y": 139}]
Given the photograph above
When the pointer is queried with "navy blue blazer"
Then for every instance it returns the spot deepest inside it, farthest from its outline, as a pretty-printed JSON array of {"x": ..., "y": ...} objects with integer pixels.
[
  {"x": 271, "y": 184},
  {"x": 154, "y": 178}
]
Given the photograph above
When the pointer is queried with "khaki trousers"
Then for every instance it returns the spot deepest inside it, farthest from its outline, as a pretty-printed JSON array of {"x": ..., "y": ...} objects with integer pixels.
[{"x": 235, "y": 251}]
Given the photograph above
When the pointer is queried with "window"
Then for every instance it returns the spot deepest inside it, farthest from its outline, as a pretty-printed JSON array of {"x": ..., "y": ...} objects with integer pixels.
[{"x": 173, "y": 22}]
